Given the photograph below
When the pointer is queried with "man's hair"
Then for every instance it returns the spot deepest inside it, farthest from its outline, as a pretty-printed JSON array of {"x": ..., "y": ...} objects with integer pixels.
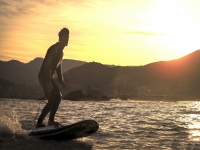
[{"x": 63, "y": 31}]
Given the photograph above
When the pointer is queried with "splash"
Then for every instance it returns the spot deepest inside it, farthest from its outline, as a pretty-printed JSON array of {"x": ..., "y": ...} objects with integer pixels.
[{"x": 9, "y": 124}]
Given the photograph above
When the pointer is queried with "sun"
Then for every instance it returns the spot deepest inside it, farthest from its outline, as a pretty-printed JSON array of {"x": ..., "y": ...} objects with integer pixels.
[{"x": 178, "y": 29}]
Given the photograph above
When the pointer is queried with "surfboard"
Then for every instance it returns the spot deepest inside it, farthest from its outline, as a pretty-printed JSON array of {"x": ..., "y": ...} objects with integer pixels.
[{"x": 66, "y": 132}]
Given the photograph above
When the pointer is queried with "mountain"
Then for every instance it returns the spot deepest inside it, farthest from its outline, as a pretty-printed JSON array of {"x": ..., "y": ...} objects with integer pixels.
[
  {"x": 111, "y": 81},
  {"x": 175, "y": 77},
  {"x": 183, "y": 73},
  {"x": 26, "y": 73}
]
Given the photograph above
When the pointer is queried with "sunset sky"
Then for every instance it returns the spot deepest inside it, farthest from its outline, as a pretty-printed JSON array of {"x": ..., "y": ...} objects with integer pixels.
[{"x": 128, "y": 32}]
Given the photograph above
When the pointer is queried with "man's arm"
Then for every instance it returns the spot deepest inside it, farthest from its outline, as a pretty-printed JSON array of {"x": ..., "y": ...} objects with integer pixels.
[
  {"x": 46, "y": 69},
  {"x": 48, "y": 63},
  {"x": 59, "y": 72},
  {"x": 60, "y": 76}
]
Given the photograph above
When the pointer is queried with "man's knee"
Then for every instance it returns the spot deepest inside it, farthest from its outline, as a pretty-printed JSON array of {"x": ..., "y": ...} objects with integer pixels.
[{"x": 57, "y": 95}]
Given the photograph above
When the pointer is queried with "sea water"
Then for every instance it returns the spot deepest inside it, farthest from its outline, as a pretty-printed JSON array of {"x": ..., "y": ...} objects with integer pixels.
[{"x": 155, "y": 125}]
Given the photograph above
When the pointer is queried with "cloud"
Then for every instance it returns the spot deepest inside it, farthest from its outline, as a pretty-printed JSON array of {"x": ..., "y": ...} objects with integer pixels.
[
  {"x": 4, "y": 3},
  {"x": 13, "y": 8}
]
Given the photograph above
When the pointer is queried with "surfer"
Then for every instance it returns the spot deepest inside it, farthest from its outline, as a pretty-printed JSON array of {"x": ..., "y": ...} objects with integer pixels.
[{"x": 51, "y": 64}]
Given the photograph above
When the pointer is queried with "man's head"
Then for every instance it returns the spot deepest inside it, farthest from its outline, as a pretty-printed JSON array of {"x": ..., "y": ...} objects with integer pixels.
[{"x": 64, "y": 36}]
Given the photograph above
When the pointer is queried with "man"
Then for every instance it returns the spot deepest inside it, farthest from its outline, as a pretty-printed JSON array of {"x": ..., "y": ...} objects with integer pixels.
[{"x": 50, "y": 65}]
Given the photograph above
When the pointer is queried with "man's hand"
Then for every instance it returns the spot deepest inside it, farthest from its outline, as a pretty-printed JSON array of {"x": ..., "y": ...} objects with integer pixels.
[
  {"x": 49, "y": 85},
  {"x": 64, "y": 85}
]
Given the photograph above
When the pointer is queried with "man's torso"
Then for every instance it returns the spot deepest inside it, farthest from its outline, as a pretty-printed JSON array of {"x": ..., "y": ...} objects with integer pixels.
[{"x": 51, "y": 61}]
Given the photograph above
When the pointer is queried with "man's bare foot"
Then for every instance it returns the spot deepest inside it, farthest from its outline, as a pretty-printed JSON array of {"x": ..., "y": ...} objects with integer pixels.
[{"x": 53, "y": 123}]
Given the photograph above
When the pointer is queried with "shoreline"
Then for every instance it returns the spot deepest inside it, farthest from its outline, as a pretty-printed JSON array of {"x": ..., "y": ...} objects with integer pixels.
[{"x": 143, "y": 98}]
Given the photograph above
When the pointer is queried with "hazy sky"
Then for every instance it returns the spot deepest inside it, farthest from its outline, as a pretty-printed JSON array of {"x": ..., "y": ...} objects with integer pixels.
[{"x": 120, "y": 32}]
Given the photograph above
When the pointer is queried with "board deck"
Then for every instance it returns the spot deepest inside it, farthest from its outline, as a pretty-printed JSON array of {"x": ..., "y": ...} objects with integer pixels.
[{"x": 76, "y": 130}]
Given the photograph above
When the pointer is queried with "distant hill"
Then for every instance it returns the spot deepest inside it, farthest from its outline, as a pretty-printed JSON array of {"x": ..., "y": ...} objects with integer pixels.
[
  {"x": 4, "y": 83},
  {"x": 183, "y": 73},
  {"x": 26, "y": 73},
  {"x": 108, "y": 80},
  {"x": 175, "y": 77},
  {"x": 9, "y": 89}
]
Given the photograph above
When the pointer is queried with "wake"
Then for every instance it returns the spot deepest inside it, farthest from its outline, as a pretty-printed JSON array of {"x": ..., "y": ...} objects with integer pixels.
[{"x": 9, "y": 124}]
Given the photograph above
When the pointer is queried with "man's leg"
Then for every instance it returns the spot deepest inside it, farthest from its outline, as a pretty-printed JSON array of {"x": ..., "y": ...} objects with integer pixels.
[
  {"x": 56, "y": 96},
  {"x": 47, "y": 107},
  {"x": 45, "y": 111}
]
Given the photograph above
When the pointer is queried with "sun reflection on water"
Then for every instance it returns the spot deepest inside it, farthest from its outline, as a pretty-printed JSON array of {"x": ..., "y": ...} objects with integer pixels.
[{"x": 193, "y": 119}]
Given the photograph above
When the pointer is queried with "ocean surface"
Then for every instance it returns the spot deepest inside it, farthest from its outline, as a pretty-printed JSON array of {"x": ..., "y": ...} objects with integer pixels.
[{"x": 155, "y": 125}]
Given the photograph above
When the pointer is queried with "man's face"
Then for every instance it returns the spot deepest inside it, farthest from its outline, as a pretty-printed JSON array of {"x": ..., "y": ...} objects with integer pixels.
[{"x": 65, "y": 39}]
